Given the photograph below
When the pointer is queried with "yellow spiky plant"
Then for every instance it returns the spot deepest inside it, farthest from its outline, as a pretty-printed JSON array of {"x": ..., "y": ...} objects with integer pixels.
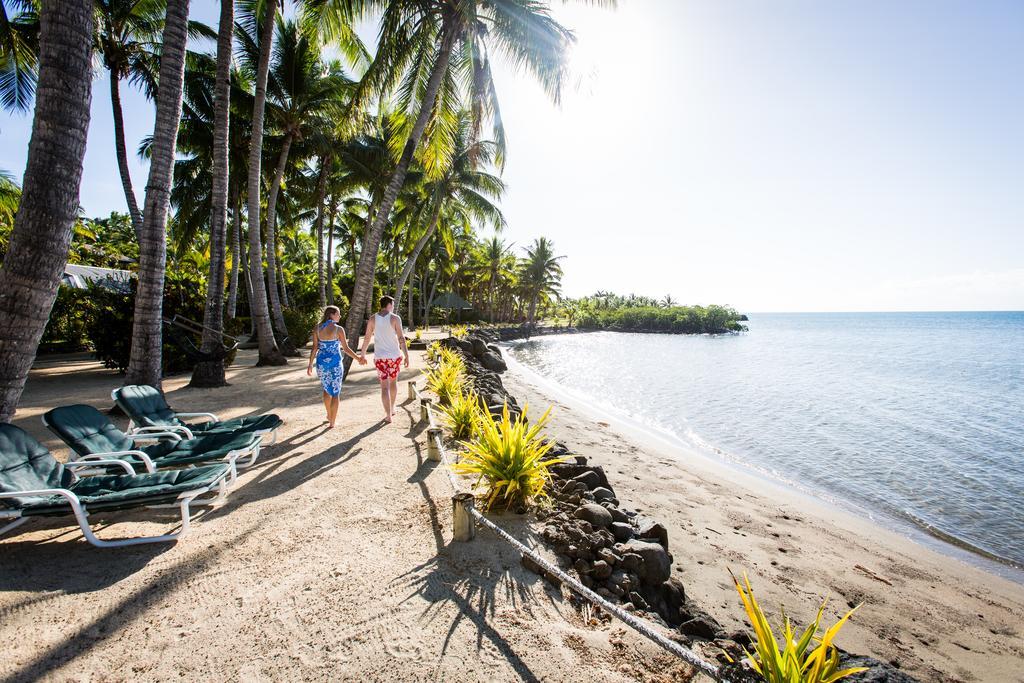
[
  {"x": 447, "y": 377},
  {"x": 460, "y": 331},
  {"x": 510, "y": 458},
  {"x": 462, "y": 416},
  {"x": 795, "y": 661}
]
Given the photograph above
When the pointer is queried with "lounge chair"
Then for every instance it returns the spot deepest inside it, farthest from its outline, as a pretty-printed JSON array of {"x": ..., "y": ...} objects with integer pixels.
[
  {"x": 34, "y": 484},
  {"x": 149, "y": 411},
  {"x": 91, "y": 435}
]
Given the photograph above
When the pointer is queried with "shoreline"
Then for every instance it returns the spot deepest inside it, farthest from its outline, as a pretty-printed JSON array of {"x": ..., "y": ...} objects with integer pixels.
[
  {"x": 931, "y": 613},
  {"x": 918, "y": 532}
]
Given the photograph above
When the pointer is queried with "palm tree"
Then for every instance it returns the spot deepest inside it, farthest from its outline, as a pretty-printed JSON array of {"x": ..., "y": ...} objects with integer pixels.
[
  {"x": 497, "y": 264},
  {"x": 19, "y": 54},
  {"x": 462, "y": 187},
  {"x": 668, "y": 302},
  {"x": 418, "y": 40},
  {"x": 304, "y": 94},
  {"x": 39, "y": 244},
  {"x": 263, "y": 32},
  {"x": 541, "y": 274},
  {"x": 211, "y": 373},
  {"x": 145, "y": 363}
]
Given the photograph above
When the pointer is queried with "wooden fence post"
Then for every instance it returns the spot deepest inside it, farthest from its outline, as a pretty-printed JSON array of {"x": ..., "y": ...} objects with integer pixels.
[{"x": 463, "y": 523}]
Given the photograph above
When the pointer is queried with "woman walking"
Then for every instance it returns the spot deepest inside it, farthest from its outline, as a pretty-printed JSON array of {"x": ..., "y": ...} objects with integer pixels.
[{"x": 328, "y": 343}]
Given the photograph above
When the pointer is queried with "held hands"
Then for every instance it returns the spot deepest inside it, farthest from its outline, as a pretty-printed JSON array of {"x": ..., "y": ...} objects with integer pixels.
[
  {"x": 361, "y": 358},
  {"x": 407, "y": 360}
]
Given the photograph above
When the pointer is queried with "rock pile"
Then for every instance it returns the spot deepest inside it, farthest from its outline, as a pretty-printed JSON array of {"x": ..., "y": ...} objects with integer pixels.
[{"x": 483, "y": 363}]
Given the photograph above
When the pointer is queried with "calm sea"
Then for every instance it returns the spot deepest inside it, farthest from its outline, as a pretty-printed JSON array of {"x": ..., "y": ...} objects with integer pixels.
[{"x": 917, "y": 415}]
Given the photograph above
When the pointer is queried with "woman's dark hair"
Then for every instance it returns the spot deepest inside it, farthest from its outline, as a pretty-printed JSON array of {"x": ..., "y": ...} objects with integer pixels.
[
  {"x": 329, "y": 311},
  {"x": 385, "y": 300}
]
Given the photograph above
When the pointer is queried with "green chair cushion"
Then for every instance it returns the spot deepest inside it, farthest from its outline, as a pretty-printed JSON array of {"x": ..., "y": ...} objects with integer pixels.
[
  {"x": 200, "y": 449},
  {"x": 255, "y": 423},
  {"x": 147, "y": 406},
  {"x": 87, "y": 430},
  {"x": 120, "y": 492},
  {"x": 26, "y": 465}
]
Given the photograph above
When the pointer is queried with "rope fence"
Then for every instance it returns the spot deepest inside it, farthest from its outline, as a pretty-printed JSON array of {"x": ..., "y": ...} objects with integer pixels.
[{"x": 465, "y": 516}]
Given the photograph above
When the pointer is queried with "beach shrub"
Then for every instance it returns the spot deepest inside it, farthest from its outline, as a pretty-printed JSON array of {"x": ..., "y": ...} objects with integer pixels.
[
  {"x": 447, "y": 378},
  {"x": 300, "y": 323},
  {"x": 460, "y": 331},
  {"x": 678, "y": 319},
  {"x": 67, "y": 329},
  {"x": 418, "y": 334},
  {"x": 795, "y": 661},
  {"x": 510, "y": 457},
  {"x": 433, "y": 351},
  {"x": 462, "y": 416}
]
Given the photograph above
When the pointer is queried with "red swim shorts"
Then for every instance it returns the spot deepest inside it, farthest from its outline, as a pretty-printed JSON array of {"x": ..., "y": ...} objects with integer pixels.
[{"x": 387, "y": 368}]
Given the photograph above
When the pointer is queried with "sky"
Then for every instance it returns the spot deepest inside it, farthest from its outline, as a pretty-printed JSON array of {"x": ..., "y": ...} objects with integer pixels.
[{"x": 794, "y": 155}]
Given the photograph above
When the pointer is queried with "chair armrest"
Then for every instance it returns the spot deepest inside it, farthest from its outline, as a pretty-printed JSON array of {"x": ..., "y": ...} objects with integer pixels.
[
  {"x": 92, "y": 461},
  {"x": 153, "y": 436},
  {"x": 185, "y": 431},
  {"x": 116, "y": 455},
  {"x": 72, "y": 498},
  {"x": 211, "y": 416}
]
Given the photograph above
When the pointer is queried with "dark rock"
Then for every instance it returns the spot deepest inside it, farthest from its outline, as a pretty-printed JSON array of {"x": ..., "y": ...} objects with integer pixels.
[
  {"x": 608, "y": 556},
  {"x": 582, "y": 567},
  {"x": 601, "y": 493},
  {"x": 595, "y": 514},
  {"x": 601, "y": 570},
  {"x": 649, "y": 529},
  {"x": 568, "y": 470},
  {"x": 674, "y": 595},
  {"x": 494, "y": 348},
  {"x": 700, "y": 625},
  {"x": 632, "y": 562},
  {"x": 878, "y": 672},
  {"x": 479, "y": 346},
  {"x": 638, "y": 601},
  {"x": 617, "y": 514},
  {"x": 657, "y": 565},
  {"x": 620, "y": 582},
  {"x": 589, "y": 479},
  {"x": 622, "y": 532},
  {"x": 492, "y": 361}
]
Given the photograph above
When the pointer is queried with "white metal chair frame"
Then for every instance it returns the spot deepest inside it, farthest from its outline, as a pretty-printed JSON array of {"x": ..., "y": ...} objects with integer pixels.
[{"x": 188, "y": 434}]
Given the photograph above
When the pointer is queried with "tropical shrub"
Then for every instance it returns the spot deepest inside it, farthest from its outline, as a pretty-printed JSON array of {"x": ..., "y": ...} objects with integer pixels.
[
  {"x": 67, "y": 329},
  {"x": 462, "y": 416},
  {"x": 795, "y": 661},
  {"x": 418, "y": 334},
  {"x": 509, "y": 456},
  {"x": 300, "y": 323},
  {"x": 434, "y": 351},
  {"x": 447, "y": 378},
  {"x": 679, "y": 319},
  {"x": 460, "y": 331}
]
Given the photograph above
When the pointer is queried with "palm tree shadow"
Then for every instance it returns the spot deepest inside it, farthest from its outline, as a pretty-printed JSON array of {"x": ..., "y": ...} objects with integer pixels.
[{"x": 274, "y": 479}]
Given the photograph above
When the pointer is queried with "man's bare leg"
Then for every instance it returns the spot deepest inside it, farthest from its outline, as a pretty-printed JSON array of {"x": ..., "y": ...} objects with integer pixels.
[
  {"x": 385, "y": 398},
  {"x": 394, "y": 394}
]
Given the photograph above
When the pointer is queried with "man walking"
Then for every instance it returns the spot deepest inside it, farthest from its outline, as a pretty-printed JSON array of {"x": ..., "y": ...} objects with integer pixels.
[{"x": 385, "y": 328}]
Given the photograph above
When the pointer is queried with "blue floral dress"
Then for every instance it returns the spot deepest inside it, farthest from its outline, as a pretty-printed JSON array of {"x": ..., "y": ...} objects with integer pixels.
[{"x": 328, "y": 364}]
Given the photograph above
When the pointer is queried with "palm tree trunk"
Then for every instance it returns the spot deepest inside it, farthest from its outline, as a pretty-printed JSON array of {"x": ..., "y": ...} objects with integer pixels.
[
  {"x": 145, "y": 363},
  {"x": 273, "y": 267},
  {"x": 321, "y": 192},
  {"x": 282, "y": 284},
  {"x": 259, "y": 307},
  {"x": 39, "y": 242},
  {"x": 236, "y": 250},
  {"x": 121, "y": 151},
  {"x": 363, "y": 288},
  {"x": 330, "y": 249},
  {"x": 411, "y": 263},
  {"x": 211, "y": 373}
]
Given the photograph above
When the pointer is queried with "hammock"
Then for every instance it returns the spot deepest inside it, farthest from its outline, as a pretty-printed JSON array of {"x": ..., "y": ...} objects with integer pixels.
[{"x": 179, "y": 325}]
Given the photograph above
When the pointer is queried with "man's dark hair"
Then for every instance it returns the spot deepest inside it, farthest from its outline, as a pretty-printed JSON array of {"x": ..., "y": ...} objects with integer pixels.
[{"x": 385, "y": 300}]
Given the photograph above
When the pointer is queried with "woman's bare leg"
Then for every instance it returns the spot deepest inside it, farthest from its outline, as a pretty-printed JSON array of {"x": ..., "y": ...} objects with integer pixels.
[
  {"x": 333, "y": 410},
  {"x": 327, "y": 405}
]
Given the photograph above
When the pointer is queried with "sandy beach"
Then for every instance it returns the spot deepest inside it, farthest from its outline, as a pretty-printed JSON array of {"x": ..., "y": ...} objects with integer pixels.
[
  {"x": 931, "y": 614},
  {"x": 331, "y": 560}
]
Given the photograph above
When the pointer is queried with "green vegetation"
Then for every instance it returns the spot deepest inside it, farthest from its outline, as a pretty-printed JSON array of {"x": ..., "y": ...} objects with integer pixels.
[
  {"x": 796, "y": 661},
  {"x": 463, "y": 414},
  {"x": 510, "y": 458},
  {"x": 604, "y": 311},
  {"x": 448, "y": 377}
]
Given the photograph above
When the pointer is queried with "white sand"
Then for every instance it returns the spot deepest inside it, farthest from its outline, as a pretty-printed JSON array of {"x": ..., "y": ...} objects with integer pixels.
[{"x": 331, "y": 560}]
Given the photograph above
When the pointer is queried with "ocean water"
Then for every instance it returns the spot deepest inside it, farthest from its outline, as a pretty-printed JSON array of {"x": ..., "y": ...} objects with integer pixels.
[{"x": 915, "y": 416}]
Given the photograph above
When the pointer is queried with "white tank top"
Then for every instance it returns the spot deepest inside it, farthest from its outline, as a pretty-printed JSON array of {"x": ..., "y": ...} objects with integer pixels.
[{"x": 385, "y": 340}]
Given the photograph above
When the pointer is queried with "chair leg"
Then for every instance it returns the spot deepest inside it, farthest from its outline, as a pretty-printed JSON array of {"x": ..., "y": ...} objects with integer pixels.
[
  {"x": 186, "y": 518},
  {"x": 13, "y": 525}
]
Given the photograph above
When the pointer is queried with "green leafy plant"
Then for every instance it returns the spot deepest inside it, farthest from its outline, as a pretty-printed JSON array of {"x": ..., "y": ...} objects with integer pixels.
[
  {"x": 462, "y": 416},
  {"x": 433, "y": 352},
  {"x": 418, "y": 334},
  {"x": 460, "y": 331},
  {"x": 300, "y": 323},
  {"x": 510, "y": 457},
  {"x": 795, "y": 661},
  {"x": 447, "y": 378}
]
